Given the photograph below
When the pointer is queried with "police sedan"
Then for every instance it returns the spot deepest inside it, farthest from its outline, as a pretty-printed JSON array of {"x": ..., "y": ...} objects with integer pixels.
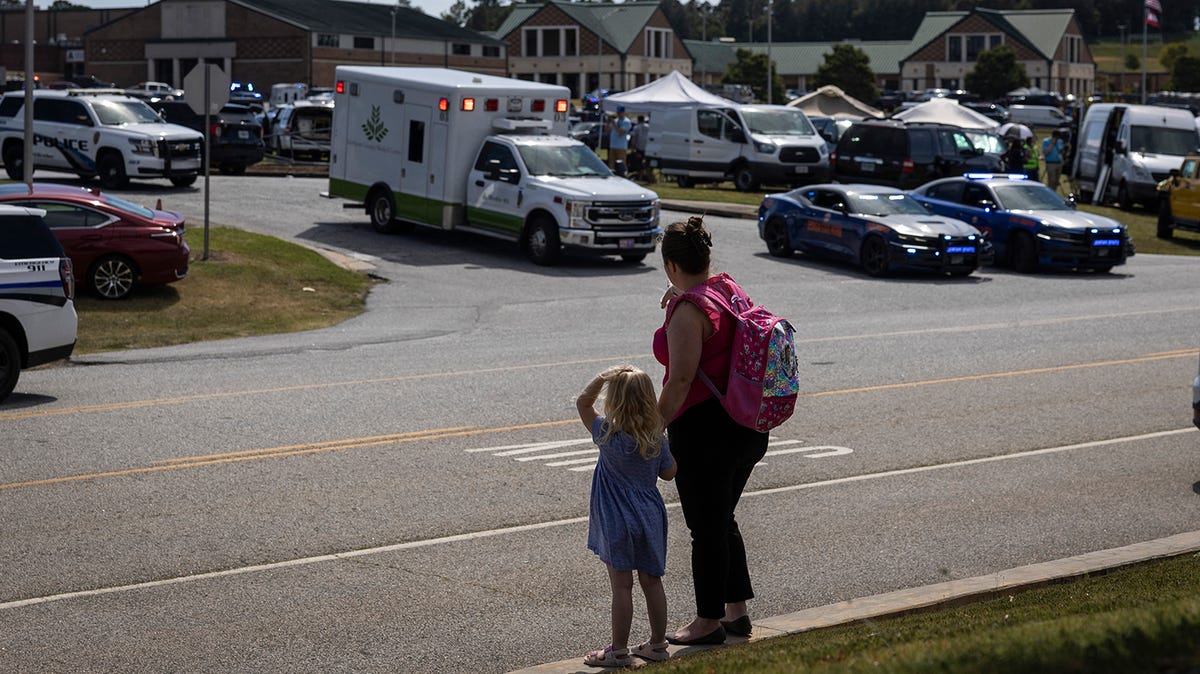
[
  {"x": 880, "y": 228},
  {"x": 1029, "y": 225}
]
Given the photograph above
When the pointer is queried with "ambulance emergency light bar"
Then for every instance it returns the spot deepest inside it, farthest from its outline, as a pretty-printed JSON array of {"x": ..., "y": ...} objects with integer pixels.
[{"x": 469, "y": 104}]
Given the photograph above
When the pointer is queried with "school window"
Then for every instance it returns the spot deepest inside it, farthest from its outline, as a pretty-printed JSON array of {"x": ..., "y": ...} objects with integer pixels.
[
  {"x": 364, "y": 42},
  {"x": 954, "y": 48},
  {"x": 975, "y": 45},
  {"x": 460, "y": 49},
  {"x": 658, "y": 43},
  {"x": 550, "y": 41},
  {"x": 416, "y": 141},
  {"x": 328, "y": 40},
  {"x": 491, "y": 51},
  {"x": 995, "y": 41}
]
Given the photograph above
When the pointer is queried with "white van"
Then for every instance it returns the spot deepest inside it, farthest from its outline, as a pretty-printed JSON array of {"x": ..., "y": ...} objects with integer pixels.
[
  {"x": 1126, "y": 150},
  {"x": 459, "y": 150},
  {"x": 287, "y": 92},
  {"x": 1037, "y": 115},
  {"x": 748, "y": 144}
]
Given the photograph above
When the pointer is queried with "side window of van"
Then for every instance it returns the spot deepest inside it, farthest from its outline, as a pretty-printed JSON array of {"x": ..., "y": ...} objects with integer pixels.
[
  {"x": 709, "y": 122},
  {"x": 1092, "y": 135},
  {"x": 1189, "y": 169}
]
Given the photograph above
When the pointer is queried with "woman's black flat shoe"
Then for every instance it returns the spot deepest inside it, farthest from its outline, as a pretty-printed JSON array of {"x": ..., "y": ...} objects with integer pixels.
[
  {"x": 713, "y": 638},
  {"x": 739, "y": 627}
]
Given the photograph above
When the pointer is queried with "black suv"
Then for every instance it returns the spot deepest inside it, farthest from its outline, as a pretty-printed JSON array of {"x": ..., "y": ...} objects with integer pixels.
[
  {"x": 906, "y": 155},
  {"x": 235, "y": 136}
]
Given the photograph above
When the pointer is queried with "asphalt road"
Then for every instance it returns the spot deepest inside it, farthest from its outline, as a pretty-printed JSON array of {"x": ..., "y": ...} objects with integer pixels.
[{"x": 408, "y": 491}]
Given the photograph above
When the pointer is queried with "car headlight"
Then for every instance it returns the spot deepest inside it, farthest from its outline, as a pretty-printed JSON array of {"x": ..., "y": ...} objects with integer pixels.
[
  {"x": 765, "y": 148},
  {"x": 143, "y": 146},
  {"x": 1057, "y": 234},
  {"x": 911, "y": 240}
]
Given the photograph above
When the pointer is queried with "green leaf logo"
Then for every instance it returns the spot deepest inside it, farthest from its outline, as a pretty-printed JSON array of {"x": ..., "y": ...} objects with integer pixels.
[{"x": 374, "y": 128}]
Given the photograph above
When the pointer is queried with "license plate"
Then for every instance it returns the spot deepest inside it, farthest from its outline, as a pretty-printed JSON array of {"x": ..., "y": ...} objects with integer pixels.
[
  {"x": 625, "y": 243},
  {"x": 956, "y": 259},
  {"x": 801, "y": 169},
  {"x": 243, "y": 134},
  {"x": 867, "y": 167}
]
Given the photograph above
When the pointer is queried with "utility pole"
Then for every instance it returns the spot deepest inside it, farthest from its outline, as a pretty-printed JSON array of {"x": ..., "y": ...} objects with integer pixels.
[{"x": 1121, "y": 27}]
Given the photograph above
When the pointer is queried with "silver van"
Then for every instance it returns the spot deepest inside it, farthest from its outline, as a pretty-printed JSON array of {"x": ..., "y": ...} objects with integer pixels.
[
  {"x": 1124, "y": 151},
  {"x": 748, "y": 144},
  {"x": 1037, "y": 115}
]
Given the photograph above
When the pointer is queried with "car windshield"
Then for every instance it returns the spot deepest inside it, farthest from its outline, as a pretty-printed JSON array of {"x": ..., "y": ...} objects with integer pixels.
[
  {"x": 885, "y": 204},
  {"x": 115, "y": 113},
  {"x": 562, "y": 161},
  {"x": 777, "y": 122},
  {"x": 1029, "y": 197},
  {"x": 127, "y": 206},
  {"x": 1159, "y": 140}
]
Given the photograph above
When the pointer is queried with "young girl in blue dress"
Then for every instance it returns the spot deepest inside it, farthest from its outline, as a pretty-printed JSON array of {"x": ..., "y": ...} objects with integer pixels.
[{"x": 627, "y": 525}]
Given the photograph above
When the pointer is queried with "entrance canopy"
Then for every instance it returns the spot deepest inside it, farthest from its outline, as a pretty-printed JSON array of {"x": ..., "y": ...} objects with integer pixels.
[{"x": 666, "y": 93}]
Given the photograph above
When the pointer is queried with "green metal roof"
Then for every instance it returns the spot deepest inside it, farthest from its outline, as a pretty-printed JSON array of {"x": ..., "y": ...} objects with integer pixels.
[
  {"x": 1043, "y": 29},
  {"x": 933, "y": 25},
  {"x": 359, "y": 18},
  {"x": 795, "y": 58},
  {"x": 617, "y": 24}
]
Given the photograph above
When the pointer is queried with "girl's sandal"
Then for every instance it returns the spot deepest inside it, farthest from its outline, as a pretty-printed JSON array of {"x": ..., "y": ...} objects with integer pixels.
[
  {"x": 609, "y": 657},
  {"x": 656, "y": 652}
]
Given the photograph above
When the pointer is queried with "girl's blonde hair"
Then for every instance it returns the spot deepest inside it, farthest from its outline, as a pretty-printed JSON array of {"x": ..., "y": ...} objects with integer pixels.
[{"x": 631, "y": 406}]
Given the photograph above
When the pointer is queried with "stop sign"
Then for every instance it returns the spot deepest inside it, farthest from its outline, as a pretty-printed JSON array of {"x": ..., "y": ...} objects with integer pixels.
[{"x": 214, "y": 92}]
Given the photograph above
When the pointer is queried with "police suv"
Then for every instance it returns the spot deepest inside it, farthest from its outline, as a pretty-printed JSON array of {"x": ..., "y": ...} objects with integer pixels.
[
  {"x": 37, "y": 291},
  {"x": 106, "y": 134}
]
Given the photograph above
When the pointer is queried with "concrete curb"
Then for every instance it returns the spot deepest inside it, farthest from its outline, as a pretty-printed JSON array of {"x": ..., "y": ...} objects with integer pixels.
[
  {"x": 941, "y": 594},
  {"x": 711, "y": 208}
]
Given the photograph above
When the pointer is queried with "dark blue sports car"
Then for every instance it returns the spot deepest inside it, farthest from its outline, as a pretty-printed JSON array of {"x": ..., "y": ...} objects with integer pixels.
[
  {"x": 880, "y": 228},
  {"x": 1029, "y": 224}
]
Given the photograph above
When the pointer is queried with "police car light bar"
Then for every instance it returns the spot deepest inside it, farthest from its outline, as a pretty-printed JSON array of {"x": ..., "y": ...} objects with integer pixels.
[{"x": 990, "y": 176}]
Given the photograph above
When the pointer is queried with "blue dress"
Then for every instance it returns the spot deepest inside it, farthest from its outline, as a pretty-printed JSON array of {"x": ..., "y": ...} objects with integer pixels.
[{"x": 627, "y": 525}]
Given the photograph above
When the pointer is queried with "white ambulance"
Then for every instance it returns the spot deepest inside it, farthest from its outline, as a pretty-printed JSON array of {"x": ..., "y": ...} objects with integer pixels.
[{"x": 485, "y": 154}]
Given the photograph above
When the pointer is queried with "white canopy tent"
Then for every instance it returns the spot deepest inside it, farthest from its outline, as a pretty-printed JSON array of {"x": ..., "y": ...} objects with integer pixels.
[
  {"x": 831, "y": 101},
  {"x": 947, "y": 111},
  {"x": 672, "y": 91}
]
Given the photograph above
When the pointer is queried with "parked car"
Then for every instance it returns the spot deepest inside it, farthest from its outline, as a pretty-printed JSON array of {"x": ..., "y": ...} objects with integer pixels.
[
  {"x": 154, "y": 91},
  {"x": 235, "y": 136},
  {"x": 889, "y": 152},
  {"x": 990, "y": 110},
  {"x": 1030, "y": 225},
  {"x": 1179, "y": 205},
  {"x": 880, "y": 228},
  {"x": 589, "y": 133},
  {"x": 114, "y": 245},
  {"x": 301, "y": 130},
  {"x": 37, "y": 296}
]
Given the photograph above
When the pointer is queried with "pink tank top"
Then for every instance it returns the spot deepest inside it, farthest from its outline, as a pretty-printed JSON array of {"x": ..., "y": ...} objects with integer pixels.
[{"x": 716, "y": 352}]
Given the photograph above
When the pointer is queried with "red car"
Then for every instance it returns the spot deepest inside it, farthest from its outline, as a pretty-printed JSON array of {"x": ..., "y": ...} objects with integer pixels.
[{"x": 114, "y": 245}]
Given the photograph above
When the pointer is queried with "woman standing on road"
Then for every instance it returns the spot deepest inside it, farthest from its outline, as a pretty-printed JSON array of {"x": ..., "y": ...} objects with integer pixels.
[{"x": 714, "y": 453}]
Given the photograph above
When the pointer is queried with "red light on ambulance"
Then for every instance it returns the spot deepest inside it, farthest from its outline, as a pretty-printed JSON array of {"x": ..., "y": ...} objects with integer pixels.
[
  {"x": 491, "y": 105},
  {"x": 539, "y": 105},
  {"x": 340, "y": 87},
  {"x": 560, "y": 105},
  {"x": 443, "y": 104},
  {"x": 468, "y": 105}
]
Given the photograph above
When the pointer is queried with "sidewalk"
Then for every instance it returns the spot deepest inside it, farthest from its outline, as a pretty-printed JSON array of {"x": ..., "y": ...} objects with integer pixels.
[
  {"x": 941, "y": 594},
  {"x": 710, "y": 208}
]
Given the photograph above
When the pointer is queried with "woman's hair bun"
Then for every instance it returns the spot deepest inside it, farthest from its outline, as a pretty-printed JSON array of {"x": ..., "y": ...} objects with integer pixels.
[{"x": 695, "y": 231}]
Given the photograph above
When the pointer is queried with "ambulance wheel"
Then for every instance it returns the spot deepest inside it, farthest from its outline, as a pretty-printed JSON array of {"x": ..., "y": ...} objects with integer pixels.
[
  {"x": 111, "y": 169},
  {"x": 541, "y": 242},
  {"x": 1166, "y": 225},
  {"x": 14, "y": 161},
  {"x": 382, "y": 209}
]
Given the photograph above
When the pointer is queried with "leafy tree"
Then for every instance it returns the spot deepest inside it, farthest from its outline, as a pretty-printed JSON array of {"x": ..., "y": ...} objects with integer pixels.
[
  {"x": 1185, "y": 74},
  {"x": 1132, "y": 62},
  {"x": 488, "y": 15},
  {"x": 996, "y": 73},
  {"x": 751, "y": 68},
  {"x": 64, "y": 4},
  {"x": 1171, "y": 53},
  {"x": 848, "y": 68}
]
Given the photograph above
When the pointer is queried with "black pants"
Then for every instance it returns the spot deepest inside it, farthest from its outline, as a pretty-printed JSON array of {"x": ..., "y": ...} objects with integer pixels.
[{"x": 715, "y": 456}]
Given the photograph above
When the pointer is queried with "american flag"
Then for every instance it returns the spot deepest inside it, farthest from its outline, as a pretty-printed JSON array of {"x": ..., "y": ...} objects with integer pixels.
[{"x": 1153, "y": 9}]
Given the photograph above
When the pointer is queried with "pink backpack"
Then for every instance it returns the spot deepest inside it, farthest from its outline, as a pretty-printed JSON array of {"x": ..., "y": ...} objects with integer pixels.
[{"x": 763, "y": 372}]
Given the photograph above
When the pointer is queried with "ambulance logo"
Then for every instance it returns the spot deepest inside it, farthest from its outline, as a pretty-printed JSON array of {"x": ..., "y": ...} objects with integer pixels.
[{"x": 374, "y": 128}]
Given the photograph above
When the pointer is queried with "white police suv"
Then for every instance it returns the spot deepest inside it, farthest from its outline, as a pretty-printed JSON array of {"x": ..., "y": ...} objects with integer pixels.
[
  {"x": 106, "y": 134},
  {"x": 37, "y": 291}
]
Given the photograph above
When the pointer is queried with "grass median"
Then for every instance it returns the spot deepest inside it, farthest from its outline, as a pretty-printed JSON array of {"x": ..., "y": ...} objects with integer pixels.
[
  {"x": 250, "y": 285},
  {"x": 1143, "y": 618}
]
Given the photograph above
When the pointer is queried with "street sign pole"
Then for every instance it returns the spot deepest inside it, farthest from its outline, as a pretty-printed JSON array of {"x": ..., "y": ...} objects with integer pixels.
[
  {"x": 207, "y": 149},
  {"x": 215, "y": 84}
]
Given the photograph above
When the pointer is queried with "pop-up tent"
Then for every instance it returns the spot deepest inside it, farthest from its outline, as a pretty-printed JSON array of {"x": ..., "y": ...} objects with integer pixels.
[
  {"x": 946, "y": 111},
  {"x": 831, "y": 101},
  {"x": 665, "y": 93}
]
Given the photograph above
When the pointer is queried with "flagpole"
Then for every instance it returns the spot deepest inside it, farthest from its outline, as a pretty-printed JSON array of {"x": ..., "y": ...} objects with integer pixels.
[{"x": 1145, "y": 23}]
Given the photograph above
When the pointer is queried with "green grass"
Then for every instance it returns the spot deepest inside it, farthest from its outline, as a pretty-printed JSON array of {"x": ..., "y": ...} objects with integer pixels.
[
  {"x": 250, "y": 285},
  {"x": 1110, "y": 58},
  {"x": 1139, "y": 619}
]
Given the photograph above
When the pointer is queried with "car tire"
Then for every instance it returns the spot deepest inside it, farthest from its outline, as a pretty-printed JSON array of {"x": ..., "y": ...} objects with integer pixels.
[
  {"x": 14, "y": 161},
  {"x": 112, "y": 277},
  {"x": 1166, "y": 224},
  {"x": 873, "y": 256},
  {"x": 634, "y": 258},
  {"x": 776, "y": 234},
  {"x": 111, "y": 169},
  {"x": 1123, "y": 198},
  {"x": 10, "y": 364},
  {"x": 381, "y": 206},
  {"x": 183, "y": 181},
  {"x": 233, "y": 169},
  {"x": 744, "y": 178},
  {"x": 684, "y": 181},
  {"x": 1024, "y": 253},
  {"x": 541, "y": 243}
]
